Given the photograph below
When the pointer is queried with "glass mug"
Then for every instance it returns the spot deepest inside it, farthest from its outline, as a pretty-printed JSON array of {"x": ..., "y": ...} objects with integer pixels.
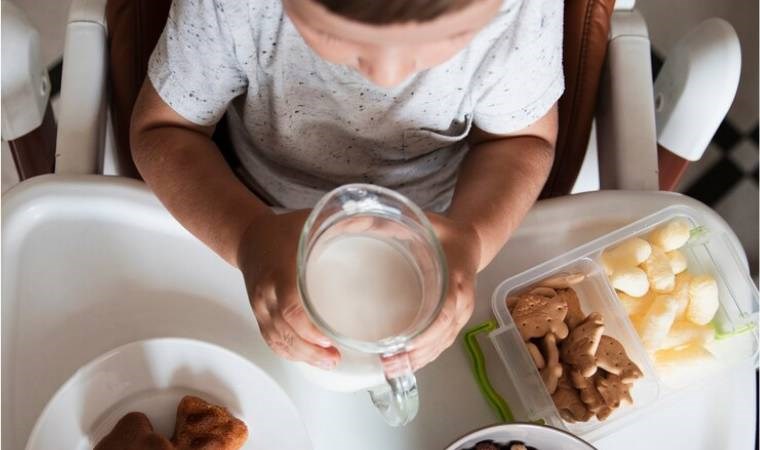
[{"x": 372, "y": 276}]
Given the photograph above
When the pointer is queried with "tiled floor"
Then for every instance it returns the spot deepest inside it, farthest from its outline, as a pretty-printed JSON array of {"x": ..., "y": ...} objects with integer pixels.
[{"x": 726, "y": 177}]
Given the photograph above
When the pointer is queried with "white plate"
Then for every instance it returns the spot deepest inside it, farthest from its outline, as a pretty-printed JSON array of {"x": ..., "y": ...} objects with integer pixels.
[
  {"x": 537, "y": 436},
  {"x": 151, "y": 376}
]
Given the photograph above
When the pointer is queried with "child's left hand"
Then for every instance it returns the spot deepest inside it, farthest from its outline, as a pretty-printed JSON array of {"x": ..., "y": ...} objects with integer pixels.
[{"x": 461, "y": 245}]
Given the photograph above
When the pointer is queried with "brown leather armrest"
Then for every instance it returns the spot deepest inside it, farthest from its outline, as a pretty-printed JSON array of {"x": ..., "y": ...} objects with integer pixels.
[
  {"x": 587, "y": 28},
  {"x": 134, "y": 27},
  {"x": 34, "y": 152},
  {"x": 672, "y": 168}
]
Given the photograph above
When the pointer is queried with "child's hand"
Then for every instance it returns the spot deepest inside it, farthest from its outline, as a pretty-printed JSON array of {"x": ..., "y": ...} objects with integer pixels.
[
  {"x": 267, "y": 258},
  {"x": 462, "y": 247}
]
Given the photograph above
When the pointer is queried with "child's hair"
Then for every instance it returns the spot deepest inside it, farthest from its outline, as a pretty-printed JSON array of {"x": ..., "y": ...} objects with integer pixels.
[{"x": 384, "y": 12}]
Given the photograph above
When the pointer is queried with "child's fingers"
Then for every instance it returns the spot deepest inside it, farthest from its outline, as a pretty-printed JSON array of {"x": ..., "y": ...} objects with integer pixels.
[
  {"x": 296, "y": 348},
  {"x": 357, "y": 224},
  {"x": 293, "y": 312},
  {"x": 283, "y": 338},
  {"x": 444, "y": 331},
  {"x": 295, "y": 315},
  {"x": 309, "y": 344},
  {"x": 438, "y": 328},
  {"x": 432, "y": 345},
  {"x": 455, "y": 313},
  {"x": 396, "y": 365},
  {"x": 424, "y": 356}
]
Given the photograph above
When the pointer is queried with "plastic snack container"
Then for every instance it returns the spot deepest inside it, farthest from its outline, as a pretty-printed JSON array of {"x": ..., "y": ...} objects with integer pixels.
[{"x": 707, "y": 253}]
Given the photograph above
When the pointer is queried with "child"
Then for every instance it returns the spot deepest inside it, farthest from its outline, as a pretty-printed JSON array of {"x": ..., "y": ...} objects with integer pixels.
[{"x": 450, "y": 102}]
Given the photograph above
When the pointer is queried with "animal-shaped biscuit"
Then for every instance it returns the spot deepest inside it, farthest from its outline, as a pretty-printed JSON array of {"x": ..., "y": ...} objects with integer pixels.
[
  {"x": 579, "y": 349},
  {"x": 574, "y": 312},
  {"x": 134, "y": 432},
  {"x": 613, "y": 390},
  {"x": 535, "y": 354},
  {"x": 203, "y": 426},
  {"x": 611, "y": 356},
  {"x": 589, "y": 395},
  {"x": 552, "y": 371},
  {"x": 569, "y": 405},
  {"x": 564, "y": 380},
  {"x": 604, "y": 412},
  {"x": 511, "y": 301},
  {"x": 535, "y": 316}
]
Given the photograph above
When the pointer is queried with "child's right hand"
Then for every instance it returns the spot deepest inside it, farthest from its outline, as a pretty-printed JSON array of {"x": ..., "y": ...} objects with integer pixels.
[{"x": 267, "y": 258}]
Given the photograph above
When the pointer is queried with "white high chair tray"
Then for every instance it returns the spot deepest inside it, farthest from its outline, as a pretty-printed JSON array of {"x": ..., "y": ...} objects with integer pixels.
[{"x": 91, "y": 263}]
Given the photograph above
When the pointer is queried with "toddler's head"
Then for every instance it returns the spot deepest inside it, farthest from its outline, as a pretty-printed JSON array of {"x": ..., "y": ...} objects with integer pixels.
[{"x": 387, "y": 41}]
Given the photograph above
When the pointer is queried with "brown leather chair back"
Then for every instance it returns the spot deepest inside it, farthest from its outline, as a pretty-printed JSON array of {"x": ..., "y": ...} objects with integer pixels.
[
  {"x": 134, "y": 27},
  {"x": 587, "y": 28}
]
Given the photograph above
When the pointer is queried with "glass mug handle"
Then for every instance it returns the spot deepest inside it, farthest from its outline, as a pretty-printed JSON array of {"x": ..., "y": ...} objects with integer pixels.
[{"x": 398, "y": 399}]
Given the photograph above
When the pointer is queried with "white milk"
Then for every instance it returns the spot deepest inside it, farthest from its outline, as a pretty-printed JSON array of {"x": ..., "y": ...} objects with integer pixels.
[{"x": 363, "y": 288}]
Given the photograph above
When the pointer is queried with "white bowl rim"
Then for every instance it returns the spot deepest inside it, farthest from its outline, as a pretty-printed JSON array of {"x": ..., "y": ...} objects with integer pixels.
[{"x": 459, "y": 441}]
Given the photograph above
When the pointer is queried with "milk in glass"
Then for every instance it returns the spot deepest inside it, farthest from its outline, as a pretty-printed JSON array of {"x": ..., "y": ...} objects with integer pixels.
[{"x": 363, "y": 288}]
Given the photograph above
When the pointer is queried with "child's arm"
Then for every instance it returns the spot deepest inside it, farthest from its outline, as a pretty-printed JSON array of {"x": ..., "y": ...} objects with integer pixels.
[
  {"x": 499, "y": 180},
  {"x": 185, "y": 169}
]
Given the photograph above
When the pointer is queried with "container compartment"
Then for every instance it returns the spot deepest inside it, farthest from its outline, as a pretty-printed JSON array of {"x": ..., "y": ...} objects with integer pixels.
[
  {"x": 530, "y": 398},
  {"x": 735, "y": 322}
]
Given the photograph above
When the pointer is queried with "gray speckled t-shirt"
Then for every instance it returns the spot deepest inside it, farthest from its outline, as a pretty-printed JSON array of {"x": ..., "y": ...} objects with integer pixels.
[{"x": 302, "y": 126}]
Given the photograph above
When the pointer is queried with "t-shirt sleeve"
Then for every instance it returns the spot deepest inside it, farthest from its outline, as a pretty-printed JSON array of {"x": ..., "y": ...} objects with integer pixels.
[
  {"x": 194, "y": 68},
  {"x": 523, "y": 71}
]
